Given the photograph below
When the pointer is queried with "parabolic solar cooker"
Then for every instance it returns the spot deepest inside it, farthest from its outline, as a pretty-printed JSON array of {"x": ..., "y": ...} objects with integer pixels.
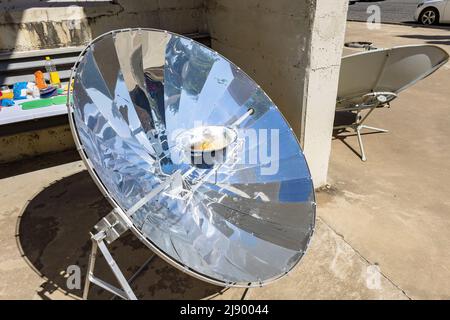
[{"x": 194, "y": 157}]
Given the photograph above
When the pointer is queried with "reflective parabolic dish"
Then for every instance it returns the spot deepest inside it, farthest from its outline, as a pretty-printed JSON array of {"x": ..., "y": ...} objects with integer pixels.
[{"x": 243, "y": 222}]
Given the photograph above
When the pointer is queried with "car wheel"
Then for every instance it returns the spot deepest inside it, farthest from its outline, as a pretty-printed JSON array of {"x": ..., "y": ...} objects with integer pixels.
[{"x": 429, "y": 16}]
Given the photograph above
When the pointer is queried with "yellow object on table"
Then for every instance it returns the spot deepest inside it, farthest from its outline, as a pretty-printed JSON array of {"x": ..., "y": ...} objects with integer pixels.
[
  {"x": 7, "y": 94},
  {"x": 66, "y": 87},
  {"x": 54, "y": 78}
]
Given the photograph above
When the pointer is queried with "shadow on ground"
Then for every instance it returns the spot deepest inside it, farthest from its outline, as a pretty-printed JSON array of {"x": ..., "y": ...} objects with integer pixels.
[
  {"x": 415, "y": 24},
  {"x": 38, "y": 163},
  {"x": 430, "y": 39},
  {"x": 53, "y": 234}
]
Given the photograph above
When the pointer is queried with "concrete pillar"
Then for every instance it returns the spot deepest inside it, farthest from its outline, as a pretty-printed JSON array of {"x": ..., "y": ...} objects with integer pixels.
[
  {"x": 327, "y": 41},
  {"x": 293, "y": 50}
]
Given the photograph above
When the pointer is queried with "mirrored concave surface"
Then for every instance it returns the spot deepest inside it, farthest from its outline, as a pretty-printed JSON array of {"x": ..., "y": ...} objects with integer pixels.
[{"x": 244, "y": 222}]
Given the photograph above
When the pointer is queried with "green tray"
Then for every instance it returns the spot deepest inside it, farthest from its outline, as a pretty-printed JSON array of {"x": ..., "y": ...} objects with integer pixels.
[{"x": 42, "y": 103}]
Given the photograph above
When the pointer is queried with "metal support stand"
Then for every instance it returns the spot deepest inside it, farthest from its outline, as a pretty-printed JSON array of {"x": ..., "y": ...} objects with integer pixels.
[
  {"x": 358, "y": 126},
  {"x": 361, "y": 145},
  {"x": 108, "y": 230},
  {"x": 369, "y": 101}
]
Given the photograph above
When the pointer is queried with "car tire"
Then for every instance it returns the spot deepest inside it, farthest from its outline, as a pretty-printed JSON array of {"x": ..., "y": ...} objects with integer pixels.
[{"x": 429, "y": 16}]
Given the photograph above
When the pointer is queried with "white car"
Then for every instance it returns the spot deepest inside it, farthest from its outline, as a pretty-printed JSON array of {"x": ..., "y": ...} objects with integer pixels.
[{"x": 433, "y": 12}]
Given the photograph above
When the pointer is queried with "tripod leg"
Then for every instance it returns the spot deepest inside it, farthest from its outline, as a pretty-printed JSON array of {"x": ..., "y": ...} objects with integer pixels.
[
  {"x": 90, "y": 271},
  {"x": 136, "y": 274},
  {"x": 109, "y": 228},
  {"x": 361, "y": 145},
  {"x": 115, "y": 269},
  {"x": 373, "y": 128},
  {"x": 126, "y": 293}
]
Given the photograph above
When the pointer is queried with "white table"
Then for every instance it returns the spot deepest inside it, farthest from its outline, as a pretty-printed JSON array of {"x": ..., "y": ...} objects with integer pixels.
[{"x": 15, "y": 113}]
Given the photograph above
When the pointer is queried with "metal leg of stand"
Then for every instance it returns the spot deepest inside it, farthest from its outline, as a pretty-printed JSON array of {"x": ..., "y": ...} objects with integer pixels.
[
  {"x": 90, "y": 271},
  {"x": 359, "y": 125},
  {"x": 373, "y": 128},
  {"x": 108, "y": 229},
  {"x": 361, "y": 145},
  {"x": 125, "y": 293},
  {"x": 115, "y": 268},
  {"x": 136, "y": 274}
]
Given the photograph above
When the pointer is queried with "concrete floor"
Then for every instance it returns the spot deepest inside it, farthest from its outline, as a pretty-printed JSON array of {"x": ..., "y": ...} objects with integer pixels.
[
  {"x": 47, "y": 207},
  {"x": 382, "y": 231},
  {"x": 395, "y": 209}
]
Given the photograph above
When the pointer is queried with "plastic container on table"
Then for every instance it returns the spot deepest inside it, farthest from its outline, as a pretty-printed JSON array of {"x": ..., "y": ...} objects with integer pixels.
[{"x": 53, "y": 73}]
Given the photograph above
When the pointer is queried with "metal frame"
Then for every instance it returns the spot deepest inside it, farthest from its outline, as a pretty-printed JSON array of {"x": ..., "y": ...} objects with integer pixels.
[
  {"x": 381, "y": 100},
  {"x": 126, "y": 292},
  {"x": 109, "y": 229},
  {"x": 122, "y": 212},
  {"x": 358, "y": 126}
]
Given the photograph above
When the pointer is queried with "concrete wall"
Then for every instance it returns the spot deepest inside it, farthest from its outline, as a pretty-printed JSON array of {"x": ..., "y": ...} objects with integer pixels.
[
  {"x": 35, "y": 143},
  {"x": 293, "y": 50},
  {"x": 269, "y": 40},
  {"x": 34, "y": 24}
]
